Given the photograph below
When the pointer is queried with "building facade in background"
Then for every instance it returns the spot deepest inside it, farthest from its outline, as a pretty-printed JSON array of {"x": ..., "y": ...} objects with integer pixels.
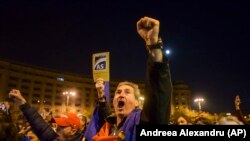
[
  {"x": 43, "y": 88},
  {"x": 181, "y": 96}
]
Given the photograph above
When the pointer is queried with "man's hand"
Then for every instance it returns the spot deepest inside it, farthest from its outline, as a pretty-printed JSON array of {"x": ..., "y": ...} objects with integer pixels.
[
  {"x": 148, "y": 29},
  {"x": 17, "y": 96},
  {"x": 100, "y": 87}
]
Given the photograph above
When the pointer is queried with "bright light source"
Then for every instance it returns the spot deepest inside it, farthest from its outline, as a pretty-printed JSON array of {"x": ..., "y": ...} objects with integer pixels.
[
  {"x": 72, "y": 93},
  {"x": 68, "y": 94},
  {"x": 141, "y": 98},
  {"x": 60, "y": 79},
  {"x": 167, "y": 51},
  {"x": 199, "y": 101}
]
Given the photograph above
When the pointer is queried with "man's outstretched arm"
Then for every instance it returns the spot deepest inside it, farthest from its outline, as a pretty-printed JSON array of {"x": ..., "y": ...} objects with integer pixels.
[{"x": 158, "y": 85}]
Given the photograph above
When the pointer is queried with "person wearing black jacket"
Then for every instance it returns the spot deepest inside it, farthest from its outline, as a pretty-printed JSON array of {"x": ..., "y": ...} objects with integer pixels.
[
  {"x": 68, "y": 126},
  {"x": 127, "y": 114}
]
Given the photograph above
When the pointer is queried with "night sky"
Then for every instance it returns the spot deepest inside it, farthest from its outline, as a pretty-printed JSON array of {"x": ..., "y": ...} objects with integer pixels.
[{"x": 209, "y": 41}]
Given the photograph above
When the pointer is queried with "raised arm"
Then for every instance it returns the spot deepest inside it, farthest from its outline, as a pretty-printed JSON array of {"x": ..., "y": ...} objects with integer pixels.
[
  {"x": 101, "y": 111},
  {"x": 38, "y": 125},
  {"x": 158, "y": 85}
]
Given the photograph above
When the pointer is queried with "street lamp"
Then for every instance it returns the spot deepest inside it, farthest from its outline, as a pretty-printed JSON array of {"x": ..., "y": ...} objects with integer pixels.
[
  {"x": 199, "y": 101},
  {"x": 39, "y": 101},
  {"x": 68, "y": 94}
]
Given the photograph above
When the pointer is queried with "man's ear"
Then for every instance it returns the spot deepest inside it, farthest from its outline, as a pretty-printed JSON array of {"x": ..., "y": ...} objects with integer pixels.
[{"x": 137, "y": 103}]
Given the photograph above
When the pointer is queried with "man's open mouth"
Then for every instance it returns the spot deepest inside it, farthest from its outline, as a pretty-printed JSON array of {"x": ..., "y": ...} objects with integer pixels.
[{"x": 121, "y": 104}]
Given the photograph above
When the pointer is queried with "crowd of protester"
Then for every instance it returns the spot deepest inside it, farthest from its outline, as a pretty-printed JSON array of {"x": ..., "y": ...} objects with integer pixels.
[
  {"x": 21, "y": 130},
  {"x": 104, "y": 124}
]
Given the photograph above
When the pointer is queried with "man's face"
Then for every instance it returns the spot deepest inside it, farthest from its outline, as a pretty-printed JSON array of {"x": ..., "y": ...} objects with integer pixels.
[
  {"x": 32, "y": 136},
  {"x": 124, "y": 100},
  {"x": 182, "y": 121},
  {"x": 65, "y": 132}
]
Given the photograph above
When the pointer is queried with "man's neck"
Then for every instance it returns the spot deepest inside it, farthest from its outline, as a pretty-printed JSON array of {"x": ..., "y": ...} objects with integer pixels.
[{"x": 119, "y": 119}]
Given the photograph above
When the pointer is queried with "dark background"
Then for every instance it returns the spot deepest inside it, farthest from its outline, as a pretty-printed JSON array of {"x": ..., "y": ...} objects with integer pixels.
[{"x": 209, "y": 41}]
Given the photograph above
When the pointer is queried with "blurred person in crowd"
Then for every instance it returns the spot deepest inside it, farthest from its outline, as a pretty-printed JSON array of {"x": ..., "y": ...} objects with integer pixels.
[
  {"x": 27, "y": 134},
  {"x": 8, "y": 130},
  {"x": 238, "y": 112},
  {"x": 127, "y": 114},
  {"x": 23, "y": 129},
  {"x": 179, "y": 119},
  {"x": 229, "y": 120},
  {"x": 84, "y": 122},
  {"x": 182, "y": 120},
  {"x": 203, "y": 121},
  {"x": 31, "y": 136},
  {"x": 68, "y": 126}
]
